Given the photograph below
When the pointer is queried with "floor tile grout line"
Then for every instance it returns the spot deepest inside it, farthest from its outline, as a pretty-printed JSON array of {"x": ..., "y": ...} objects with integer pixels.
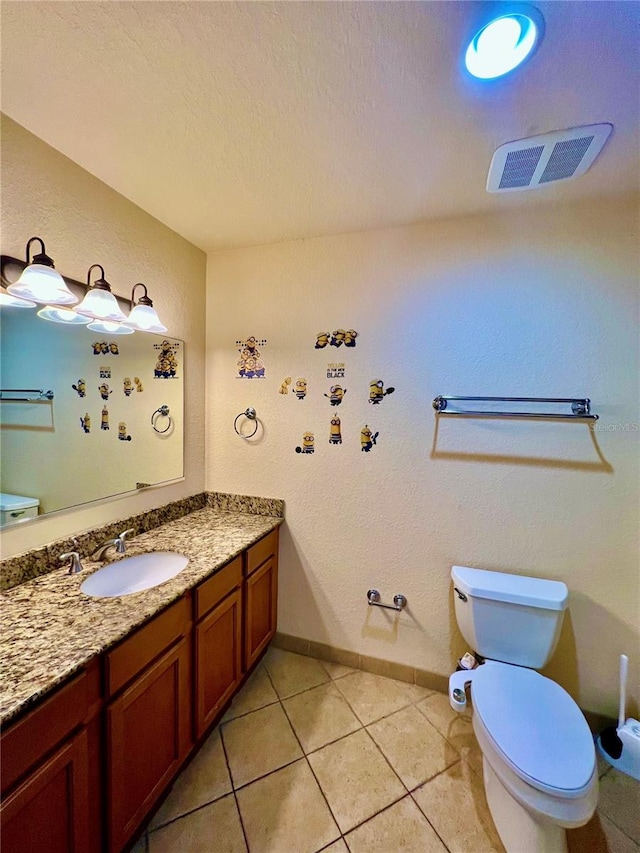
[
  {"x": 233, "y": 790},
  {"x": 306, "y": 758},
  {"x": 426, "y": 817},
  {"x": 624, "y": 832}
]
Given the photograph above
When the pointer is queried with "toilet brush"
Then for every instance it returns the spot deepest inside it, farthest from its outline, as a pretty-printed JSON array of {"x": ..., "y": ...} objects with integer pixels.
[{"x": 620, "y": 745}]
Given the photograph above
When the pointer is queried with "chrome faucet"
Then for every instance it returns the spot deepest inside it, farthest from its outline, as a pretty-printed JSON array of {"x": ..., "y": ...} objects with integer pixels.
[
  {"x": 75, "y": 565},
  {"x": 118, "y": 543}
]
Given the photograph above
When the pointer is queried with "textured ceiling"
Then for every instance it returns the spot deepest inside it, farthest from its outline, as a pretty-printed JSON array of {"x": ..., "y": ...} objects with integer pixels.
[{"x": 244, "y": 123}]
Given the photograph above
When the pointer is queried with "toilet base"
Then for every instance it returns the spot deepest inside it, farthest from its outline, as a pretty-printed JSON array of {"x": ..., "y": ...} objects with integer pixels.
[{"x": 517, "y": 828}]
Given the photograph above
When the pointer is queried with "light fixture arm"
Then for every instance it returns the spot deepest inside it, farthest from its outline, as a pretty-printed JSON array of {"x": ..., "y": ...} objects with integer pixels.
[
  {"x": 42, "y": 257},
  {"x": 144, "y": 299},
  {"x": 100, "y": 283}
]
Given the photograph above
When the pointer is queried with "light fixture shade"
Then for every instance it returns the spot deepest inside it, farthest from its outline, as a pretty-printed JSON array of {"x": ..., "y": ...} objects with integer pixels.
[
  {"x": 67, "y": 316},
  {"x": 106, "y": 327},
  {"x": 9, "y": 301},
  {"x": 145, "y": 319},
  {"x": 43, "y": 284},
  {"x": 101, "y": 305}
]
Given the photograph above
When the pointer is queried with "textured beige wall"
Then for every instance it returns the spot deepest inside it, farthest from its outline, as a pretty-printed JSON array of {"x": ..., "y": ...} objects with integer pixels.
[
  {"x": 533, "y": 303},
  {"x": 82, "y": 222}
]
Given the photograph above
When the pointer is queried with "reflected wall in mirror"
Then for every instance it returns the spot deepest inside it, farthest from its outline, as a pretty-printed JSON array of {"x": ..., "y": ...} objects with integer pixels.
[{"x": 98, "y": 436}]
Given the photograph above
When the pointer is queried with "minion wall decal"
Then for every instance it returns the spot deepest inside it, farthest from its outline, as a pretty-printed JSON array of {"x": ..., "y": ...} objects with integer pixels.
[
  {"x": 250, "y": 364},
  {"x": 127, "y": 387},
  {"x": 367, "y": 438},
  {"x": 377, "y": 392},
  {"x": 307, "y": 443},
  {"x": 336, "y": 339},
  {"x": 104, "y": 420},
  {"x": 284, "y": 385},
  {"x": 335, "y": 435},
  {"x": 336, "y": 394},
  {"x": 167, "y": 363},
  {"x": 105, "y": 348},
  {"x": 138, "y": 384},
  {"x": 104, "y": 391},
  {"x": 85, "y": 423},
  {"x": 300, "y": 389},
  {"x": 105, "y": 373},
  {"x": 80, "y": 388},
  {"x": 122, "y": 432}
]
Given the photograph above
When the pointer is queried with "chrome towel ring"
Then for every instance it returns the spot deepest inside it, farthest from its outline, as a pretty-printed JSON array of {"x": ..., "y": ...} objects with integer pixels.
[
  {"x": 161, "y": 412},
  {"x": 251, "y": 415}
]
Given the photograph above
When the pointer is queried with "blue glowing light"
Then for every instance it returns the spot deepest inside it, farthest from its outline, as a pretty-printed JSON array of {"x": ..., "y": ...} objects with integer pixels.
[{"x": 501, "y": 45}]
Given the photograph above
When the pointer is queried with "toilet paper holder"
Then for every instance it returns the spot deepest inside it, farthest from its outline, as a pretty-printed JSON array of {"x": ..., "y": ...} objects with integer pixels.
[{"x": 399, "y": 601}]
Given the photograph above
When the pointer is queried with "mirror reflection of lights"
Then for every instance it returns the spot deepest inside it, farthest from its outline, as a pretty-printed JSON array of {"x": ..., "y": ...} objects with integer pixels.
[{"x": 502, "y": 45}]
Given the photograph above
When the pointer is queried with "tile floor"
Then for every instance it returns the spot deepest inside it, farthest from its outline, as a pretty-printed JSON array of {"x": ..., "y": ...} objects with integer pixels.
[{"x": 316, "y": 756}]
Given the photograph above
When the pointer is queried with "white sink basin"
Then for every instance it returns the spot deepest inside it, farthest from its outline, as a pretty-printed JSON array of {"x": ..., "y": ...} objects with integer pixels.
[{"x": 133, "y": 574}]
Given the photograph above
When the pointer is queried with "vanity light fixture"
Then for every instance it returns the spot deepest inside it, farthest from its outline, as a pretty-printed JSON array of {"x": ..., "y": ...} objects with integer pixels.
[
  {"x": 67, "y": 316},
  {"x": 504, "y": 43},
  {"x": 100, "y": 303},
  {"x": 106, "y": 327},
  {"x": 40, "y": 282},
  {"x": 143, "y": 316}
]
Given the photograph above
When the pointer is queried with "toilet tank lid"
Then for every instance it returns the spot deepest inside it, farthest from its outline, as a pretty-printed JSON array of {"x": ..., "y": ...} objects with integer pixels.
[
  {"x": 9, "y": 502},
  {"x": 517, "y": 589}
]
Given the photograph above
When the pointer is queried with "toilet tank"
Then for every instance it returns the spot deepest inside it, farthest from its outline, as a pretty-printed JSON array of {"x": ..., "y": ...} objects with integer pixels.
[{"x": 509, "y": 618}]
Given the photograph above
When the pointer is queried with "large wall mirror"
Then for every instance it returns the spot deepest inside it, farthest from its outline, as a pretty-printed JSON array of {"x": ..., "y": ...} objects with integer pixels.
[{"x": 113, "y": 423}]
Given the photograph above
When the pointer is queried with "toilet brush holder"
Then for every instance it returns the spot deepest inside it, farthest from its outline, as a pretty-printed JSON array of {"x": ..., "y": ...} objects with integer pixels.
[{"x": 620, "y": 745}]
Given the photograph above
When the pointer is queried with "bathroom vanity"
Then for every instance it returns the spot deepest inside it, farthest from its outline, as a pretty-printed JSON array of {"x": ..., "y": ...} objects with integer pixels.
[{"x": 131, "y": 685}]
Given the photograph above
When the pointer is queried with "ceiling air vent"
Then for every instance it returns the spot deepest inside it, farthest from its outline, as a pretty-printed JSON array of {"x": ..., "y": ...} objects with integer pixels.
[{"x": 539, "y": 160}]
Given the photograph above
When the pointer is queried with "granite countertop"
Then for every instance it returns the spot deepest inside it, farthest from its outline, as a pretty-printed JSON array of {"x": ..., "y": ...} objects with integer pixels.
[{"x": 50, "y": 629}]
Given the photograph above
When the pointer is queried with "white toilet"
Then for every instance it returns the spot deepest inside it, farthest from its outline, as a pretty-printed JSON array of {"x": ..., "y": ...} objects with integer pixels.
[{"x": 538, "y": 755}]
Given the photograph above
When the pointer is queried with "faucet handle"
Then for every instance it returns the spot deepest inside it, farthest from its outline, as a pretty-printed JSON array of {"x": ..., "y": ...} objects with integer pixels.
[
  {"x": 120, "y": 543},
  {"x": 75, "y": 566}
]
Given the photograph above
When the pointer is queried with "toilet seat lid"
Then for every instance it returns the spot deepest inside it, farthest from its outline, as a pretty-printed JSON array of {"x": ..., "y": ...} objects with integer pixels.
[{"x": 537, "y": 727}]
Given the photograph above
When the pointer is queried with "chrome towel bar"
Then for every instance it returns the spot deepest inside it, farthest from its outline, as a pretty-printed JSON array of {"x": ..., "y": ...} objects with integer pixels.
[{"x": 580, "y": 407}]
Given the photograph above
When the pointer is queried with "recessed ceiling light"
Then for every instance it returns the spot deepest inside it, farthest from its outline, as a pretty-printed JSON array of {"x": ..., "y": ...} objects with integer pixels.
[{"x": 504, "y": 43}]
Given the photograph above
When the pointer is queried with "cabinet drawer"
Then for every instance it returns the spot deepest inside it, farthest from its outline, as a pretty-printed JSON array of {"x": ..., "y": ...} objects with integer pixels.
[
  {"x": 27, "y": 741},
  {"x": 133, "y": 654},
  {"x": 214, "y": 589},
  {"x": 261, "y": 551}
]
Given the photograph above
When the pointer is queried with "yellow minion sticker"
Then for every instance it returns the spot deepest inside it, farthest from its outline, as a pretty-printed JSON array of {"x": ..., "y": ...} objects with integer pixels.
[
  {"x": 85, "y": 423},
  {"x": 284, "y": 385},
  {"x": 377, "y": 392},
  {"x": 122, "y": 432},
  {"x": 127, "y": 386},
  {"x": 104, "y": 391},
  {"x": 308, "y": 440},
  {"x": 322, "y": 339},
  {"x": 300, "y": 389},
  {"x": 335, "y": 435},
  {"x": 138, "y": 384},
  {"x": 80, "y": 388},
  {"x": 104, "y": 420},
  {"x": 367, "y": 438},
  {"x": 336, "y": 394}
]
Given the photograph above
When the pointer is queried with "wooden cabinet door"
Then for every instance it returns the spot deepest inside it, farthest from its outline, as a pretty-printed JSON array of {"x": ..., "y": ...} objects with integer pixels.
[
  {"x": 50, "y": 809},
  {"x": 148, "y": 736},
  {"x": 260, "y": 608},
  {"x": 218, "y": 639}
]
